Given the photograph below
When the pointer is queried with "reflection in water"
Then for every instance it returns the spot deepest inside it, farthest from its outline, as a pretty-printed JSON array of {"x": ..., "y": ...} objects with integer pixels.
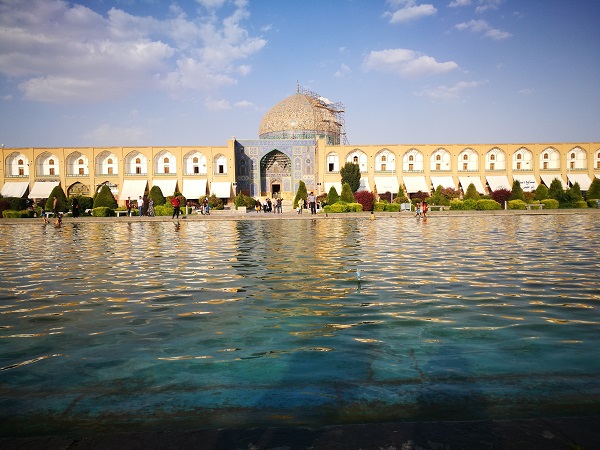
[{"x": 297, "y": 322}]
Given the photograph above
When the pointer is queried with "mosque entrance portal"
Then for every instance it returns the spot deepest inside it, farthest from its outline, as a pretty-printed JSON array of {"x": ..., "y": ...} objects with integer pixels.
[{"x": 275, "y": 174}]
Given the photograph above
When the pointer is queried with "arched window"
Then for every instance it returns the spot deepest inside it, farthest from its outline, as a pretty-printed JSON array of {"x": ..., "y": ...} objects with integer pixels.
[
  {"x": 333, "y": 162},
  {"x": 519, "y": 156},
  {"x": 546, "y": 156},
  {"x": 20, "y": 162},
  {"x": 411, "y": 158},
  {"x": 492, "y": 157},
  {"x": 51, "y": 161},
  {"x": 438, "y": 157},
  {"x": 138, "y": 161},
  {"x": 355, "y": 160}
]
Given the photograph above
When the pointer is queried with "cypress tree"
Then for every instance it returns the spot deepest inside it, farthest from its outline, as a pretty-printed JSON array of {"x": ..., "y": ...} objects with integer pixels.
[
  {"x": 104, "y": 197},
  {"x": 301, "y": 193},
  {"x": 517, "y": 191},
  {"x": 157, "y": 196},
  {"x": 351, "y": 174},
  {"x": 332, "y": 196},
  {"x": 541, "y": 192},
  {"x": 347, "y": 195},
  {"x": 472, "y": 193},
  {"x": 556, "y": 190},
  {"x": 63, "y": 203},
  {"x": 594, "y": 190}
]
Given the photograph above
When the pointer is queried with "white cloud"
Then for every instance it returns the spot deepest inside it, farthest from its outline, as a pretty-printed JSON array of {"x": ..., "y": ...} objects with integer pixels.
[
  {"x": 527, "y": 91},
  {"x": 7, "y": 98},
  {"x": 244, "y": 104},
  {"x": 108, "y": 135},
  {"x": 407, "y": 63},
  {"x": 450, "y": 92},
  {"x": 459, "y": 3},
  {"x": 488, "y": 5},
  {"x": 217, "y": 105},
  {"x": 481, "y": 26},
  {"x": 61, "y": 52},
  {"x": 342, "y": 71},
  {"x": 409, "y": 11}
]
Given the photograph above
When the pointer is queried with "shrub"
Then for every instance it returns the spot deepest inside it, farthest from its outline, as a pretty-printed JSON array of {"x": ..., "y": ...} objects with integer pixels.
[
  {"x": 244, "y": 201},
  {"x": 392, "y": 207},
  {"x": 23, "y": 214},
  {"x": 576, "y": 193},
  {"x": 332, "y": 196},
  {"x": 594, "y": 189},
  {"x": 501, "y": 195},
  {"x": 401, "y": 196},
  {"x": 102, "y": 211},
  {"x": 555, "y": 190},
  {"x": 300, "y": 194},
  {"x": 156, "y": 194},
  {"x": 516, "y": 204},
  {"x": 380, "y": 206},
  {"x": 420, "y": 197},
  {"x": 85, "y": 203},
  {"x": 215, "y": 203},
  {"x": 366, "y": 199},
  {"x": 517, "y": 191},
  {"x": 16, "y": 203},
  {"x": 488, "y": 205},
  {"x": 163, "y": 210},
  {"x": 346, "y": 195},
  {"x": 581, "y": 204},
  {"x": 104, "y": 198},
  {"x": 470, "y": 204},
  {"x": 457, "y": 205},
  {"x": 592, "y": 202},
  {"x": 63, "y": 203},
  {"x": 550, "y": 203},
  {"x": 339, "y": 207},
  {"x": 355, "y": 207}
]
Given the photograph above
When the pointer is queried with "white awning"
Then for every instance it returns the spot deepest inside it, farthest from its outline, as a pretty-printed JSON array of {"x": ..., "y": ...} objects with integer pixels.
[
  {"x": 528, "y": 182},
  {"x": 336, "y": 184},
  {"x": 445, "y": 182},
  {"x": 387, "y": 184},
  {"x": 14, "y": 189},
  {"x": 466, "y": 181},
  {"x": 415, "y": 184},
  {"x": 194, "y": 189},
  {"x": 498, "y": 182},
  {"x": 133, "y": 189},
  {"x": 167, "y": 187},
  {"x": 581, "y": 178},
  {"x": 42, "y": 189},
  {"x": 547, "y": 178},
  {"x": 221, "y": 189},
  {"x": 364, "y": 185}
]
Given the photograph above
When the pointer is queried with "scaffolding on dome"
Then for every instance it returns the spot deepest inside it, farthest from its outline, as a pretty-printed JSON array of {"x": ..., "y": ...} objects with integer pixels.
[{"x": 337, "y": 109}]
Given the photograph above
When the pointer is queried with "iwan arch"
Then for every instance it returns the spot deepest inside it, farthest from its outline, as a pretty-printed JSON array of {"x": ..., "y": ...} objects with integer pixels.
[{"x": 302, "y": 138}]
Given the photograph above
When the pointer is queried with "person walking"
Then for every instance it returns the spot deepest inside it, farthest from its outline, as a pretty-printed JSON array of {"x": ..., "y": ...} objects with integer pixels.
[
  {"x": 140, "y": 205},
  {"x": 312, "y": 201},
  {"x": 150, "y": 212},
  {"x": 176, "y": 206},
  {"x": 75, "y": 207},
  {"x": 128, "y": 206},
  {"x": 424, "y": 210}
]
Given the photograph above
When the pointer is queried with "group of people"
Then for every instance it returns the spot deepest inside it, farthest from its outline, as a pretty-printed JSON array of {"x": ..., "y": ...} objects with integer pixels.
[
  {"x": 139, "y": 204},
  {"x": 421, "y": 210},
  {"x": 309, "y": 202},
  {"x": 275, "y": 206}
]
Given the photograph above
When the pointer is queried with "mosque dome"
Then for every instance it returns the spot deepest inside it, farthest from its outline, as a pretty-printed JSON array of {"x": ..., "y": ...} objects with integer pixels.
[{"x": 301, "y": 116}]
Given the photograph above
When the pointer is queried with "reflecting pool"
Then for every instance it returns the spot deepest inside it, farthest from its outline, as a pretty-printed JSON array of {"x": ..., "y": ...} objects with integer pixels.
[{"x": 158, "y": 325}]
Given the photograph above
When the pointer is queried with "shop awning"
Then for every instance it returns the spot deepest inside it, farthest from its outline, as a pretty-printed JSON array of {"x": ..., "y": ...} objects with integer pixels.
[
  {"x": 167, "y": 187},
  {"x": 528, "y": 182},
  {"x": 133, "y": 189},
  {"x": 445, "y": 182},
  {"x": 581, "y": 178},
  {"x": 42, "y": 189},
  {"x": 221, "y": 189},
  {"x": 415, "y": 184},
  {"x": 466, "y": 181},
  {"x": 547, "y": 178},
  {"x": 498, "y": 182},
  {"x": 364, "y": 185},
  {"x": 14, "y": 188},
  {"x": 336, "y": 184},
  {"x": 194, "y": 189},
  {"x": 387, "y": 184}
]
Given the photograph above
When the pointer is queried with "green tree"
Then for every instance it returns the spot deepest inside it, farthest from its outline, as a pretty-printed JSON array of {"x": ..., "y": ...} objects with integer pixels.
[
  {"x": 556, "y": 190},
  {"x": 401, "y": 197},
  {"x": 471, "y": 193},
  {"x": 104, "y": 197},
  {"x": 301, "y": 193},
  {"x": 63, "y": 203},
  {"x": 541, "y": 192},
  {"x": 576, "y": 194},
  {"x": 351, "y": 174},
  {"x": 517, "y": 191},
  {"x": 347, "y": 195},
  {"x": 594, "y": 190},
  {"x": 332, "y": 196},
  {"x": 157, "y": 196}
]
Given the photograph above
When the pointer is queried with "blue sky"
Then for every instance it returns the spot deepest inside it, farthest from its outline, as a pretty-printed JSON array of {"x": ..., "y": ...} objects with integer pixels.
[{"x": 160, "y": 73}]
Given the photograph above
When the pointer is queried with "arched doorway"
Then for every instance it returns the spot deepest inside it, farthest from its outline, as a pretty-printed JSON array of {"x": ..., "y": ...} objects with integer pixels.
[{"x": 275, "y": 174}]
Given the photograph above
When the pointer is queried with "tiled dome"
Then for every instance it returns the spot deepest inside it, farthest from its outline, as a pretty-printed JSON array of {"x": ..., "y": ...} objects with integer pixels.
[{"x": 298, "y": 116}]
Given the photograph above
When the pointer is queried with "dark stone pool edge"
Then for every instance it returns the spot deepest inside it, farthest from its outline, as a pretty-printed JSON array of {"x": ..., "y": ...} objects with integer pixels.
[{"x": 569, "y": 433}]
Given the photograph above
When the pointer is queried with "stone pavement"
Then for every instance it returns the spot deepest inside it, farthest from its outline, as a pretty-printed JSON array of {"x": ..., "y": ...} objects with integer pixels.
[{"x": 579, "y": 433}]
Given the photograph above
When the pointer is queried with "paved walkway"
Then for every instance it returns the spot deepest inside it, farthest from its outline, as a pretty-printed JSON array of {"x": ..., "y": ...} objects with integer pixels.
[{"x": 581, "y": 433}]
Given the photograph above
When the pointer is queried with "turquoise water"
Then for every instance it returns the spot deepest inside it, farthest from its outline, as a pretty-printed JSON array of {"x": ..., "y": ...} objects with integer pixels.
[{"x": 154, "y": 325}]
